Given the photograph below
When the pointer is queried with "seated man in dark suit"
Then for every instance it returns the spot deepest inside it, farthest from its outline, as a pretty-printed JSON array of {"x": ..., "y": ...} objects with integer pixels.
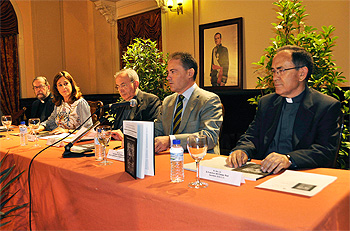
[
  {"x": 43, "y": 106},
  {"x": 148, "y": 105},
  {"x": 295, "y": 127}
]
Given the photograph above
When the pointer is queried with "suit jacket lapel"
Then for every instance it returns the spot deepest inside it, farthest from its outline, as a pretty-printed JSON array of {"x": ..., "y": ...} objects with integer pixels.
[
  {"x": 135, "y": 110},
  {"x": 191, "y": 104},
  {"x": 303, "y": 118},
  {"x": 270, "y": 122},
  {"x": 168, "y": 114}
]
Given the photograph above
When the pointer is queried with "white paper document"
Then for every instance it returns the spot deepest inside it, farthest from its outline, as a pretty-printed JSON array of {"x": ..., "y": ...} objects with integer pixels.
[
  {"x": 59, "y": 136},
  {"x": 301, "y": 183},
  {"x": 88, "y": 136},
  {"x": 250, "y": 171},
  {"x": 116, "y": 154}
]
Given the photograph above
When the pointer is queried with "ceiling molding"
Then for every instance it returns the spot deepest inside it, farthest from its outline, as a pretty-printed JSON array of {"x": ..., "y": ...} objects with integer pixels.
[{"x": 112, "y": 9}]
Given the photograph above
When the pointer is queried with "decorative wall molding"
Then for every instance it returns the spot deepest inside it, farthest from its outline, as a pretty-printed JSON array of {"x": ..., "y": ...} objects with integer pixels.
[
  {"x": 162, "y": 5},
  {"x": 107, "y": 9}
]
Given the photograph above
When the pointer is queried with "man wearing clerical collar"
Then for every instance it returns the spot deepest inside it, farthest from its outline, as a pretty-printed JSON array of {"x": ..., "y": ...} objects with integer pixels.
[
  {"x": 43, "y": 106},
  {"x": 295, "y": 127}
]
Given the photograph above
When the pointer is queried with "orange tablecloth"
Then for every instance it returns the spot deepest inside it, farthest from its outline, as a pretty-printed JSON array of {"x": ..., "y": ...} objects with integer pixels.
[{"x": 77, "y": 194}]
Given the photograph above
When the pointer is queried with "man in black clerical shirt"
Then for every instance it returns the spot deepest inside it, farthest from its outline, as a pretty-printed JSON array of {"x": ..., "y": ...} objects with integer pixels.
[
  {"x": 295, "y": 127},
  {"x": 148, "y": 105},
  {"x": 43, "y": 106}
]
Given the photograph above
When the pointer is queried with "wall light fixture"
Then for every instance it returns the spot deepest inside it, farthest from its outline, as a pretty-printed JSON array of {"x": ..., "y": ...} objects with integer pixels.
[{"x": 179, "y": 8}]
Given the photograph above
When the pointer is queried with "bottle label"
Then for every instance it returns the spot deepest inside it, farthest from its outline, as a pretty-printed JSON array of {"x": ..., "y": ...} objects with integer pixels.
[
  {"x": 23, "y": 129},
  {"x": 98, "y": 150},
  {"x": 96, "y": 141},
  {"x": 176, "y": 156}
]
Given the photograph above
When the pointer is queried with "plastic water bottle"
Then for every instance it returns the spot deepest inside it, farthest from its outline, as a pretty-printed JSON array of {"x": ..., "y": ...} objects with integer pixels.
[
  {"x": 23, "y": 133},
  {"x": 176, "y": 162},
  {"x": 98, "y": 149}
]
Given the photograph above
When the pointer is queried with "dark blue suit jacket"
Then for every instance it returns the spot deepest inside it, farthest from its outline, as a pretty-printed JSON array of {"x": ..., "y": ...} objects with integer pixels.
[{"x": 315, "y": 133}]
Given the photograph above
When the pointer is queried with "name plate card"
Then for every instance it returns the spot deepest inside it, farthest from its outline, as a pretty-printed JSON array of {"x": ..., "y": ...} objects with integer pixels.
[
  {"x": 222, "y": 176},
  {"x": 116, "y": 154}
]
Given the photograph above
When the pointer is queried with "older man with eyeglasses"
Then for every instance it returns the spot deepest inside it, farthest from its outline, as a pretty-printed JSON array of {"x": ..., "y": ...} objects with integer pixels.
[
  {"x": 148, "y": 105},
  {"x": 43, "y": 106},
  {"x": 296, "y": 127}
]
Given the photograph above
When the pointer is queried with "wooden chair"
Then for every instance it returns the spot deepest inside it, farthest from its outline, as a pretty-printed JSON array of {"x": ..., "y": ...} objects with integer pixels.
[
  {"x": 94, "y": 105},
  {"x": 17, "y": 116}
]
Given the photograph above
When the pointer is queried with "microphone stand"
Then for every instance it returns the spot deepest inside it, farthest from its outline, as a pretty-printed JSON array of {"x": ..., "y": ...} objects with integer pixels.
[
  {"x": 67, "y": 149},
  {"x": 67, "y": 152}
]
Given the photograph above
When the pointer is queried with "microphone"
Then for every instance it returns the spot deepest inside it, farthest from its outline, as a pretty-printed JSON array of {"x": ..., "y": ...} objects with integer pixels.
[
  {"x": 68, "y": 153},
  {"x": 131, "y": 103}
]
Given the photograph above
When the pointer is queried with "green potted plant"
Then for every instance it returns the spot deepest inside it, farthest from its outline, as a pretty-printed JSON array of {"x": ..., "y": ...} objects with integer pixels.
[
  {"x": 150, "y": 64},
  {"x": 291, "y": 30},
  {"x": 5, "y": 196}
]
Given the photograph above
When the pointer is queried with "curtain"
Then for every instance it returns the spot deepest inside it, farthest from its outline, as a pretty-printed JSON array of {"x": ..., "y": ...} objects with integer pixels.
[
  {"x": 147, "y": 25},
  {"x": 9, "y": 90}
]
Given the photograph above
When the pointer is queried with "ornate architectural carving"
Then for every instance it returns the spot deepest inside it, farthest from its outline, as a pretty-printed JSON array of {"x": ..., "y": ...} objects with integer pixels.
[{"x": 107, "y": 9}]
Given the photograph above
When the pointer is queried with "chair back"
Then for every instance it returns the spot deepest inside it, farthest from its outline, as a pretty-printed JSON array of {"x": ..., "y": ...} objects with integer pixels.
[
  {"x": 17, "y": 116},
  {"x": 94, "y": 105}
]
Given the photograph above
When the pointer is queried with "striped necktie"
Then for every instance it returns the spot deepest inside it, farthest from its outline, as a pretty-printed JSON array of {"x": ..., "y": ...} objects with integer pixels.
[{"x": 177, "y": 115}]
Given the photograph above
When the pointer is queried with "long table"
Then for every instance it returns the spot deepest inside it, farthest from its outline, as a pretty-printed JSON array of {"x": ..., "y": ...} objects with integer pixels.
[{"x": 78, "y": 194}]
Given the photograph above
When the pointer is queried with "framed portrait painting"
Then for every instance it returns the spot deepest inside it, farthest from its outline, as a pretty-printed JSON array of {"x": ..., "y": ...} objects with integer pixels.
[{"x": 221, "y": 55}]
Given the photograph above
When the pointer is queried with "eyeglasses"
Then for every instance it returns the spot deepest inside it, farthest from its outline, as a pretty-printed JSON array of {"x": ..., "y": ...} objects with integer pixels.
[
  {"x": 280, "y": 72},
  {"x": 39, "y": 87},
  {"x": 123, "y": 85}
]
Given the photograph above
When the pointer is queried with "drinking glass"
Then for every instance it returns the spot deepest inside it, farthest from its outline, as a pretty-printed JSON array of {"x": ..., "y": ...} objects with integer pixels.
[
  {"x": 197, "y": 147},
  {"x": 6, "y": 121},
  {"x": 104, "y": 136},
  {"x": 34, "y": 124}
]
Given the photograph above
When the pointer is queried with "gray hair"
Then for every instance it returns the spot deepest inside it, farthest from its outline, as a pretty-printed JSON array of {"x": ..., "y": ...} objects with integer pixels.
[
  {"x": 130, "y": 72},
  {"x": 44, "y": 78}
]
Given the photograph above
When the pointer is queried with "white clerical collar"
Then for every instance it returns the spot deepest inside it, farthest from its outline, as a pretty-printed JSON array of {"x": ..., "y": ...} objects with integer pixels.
[
  {"x": 296, "y": 99},
  {"x": 289, "y": 100},
  {"x": 47, "y": 97}
]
